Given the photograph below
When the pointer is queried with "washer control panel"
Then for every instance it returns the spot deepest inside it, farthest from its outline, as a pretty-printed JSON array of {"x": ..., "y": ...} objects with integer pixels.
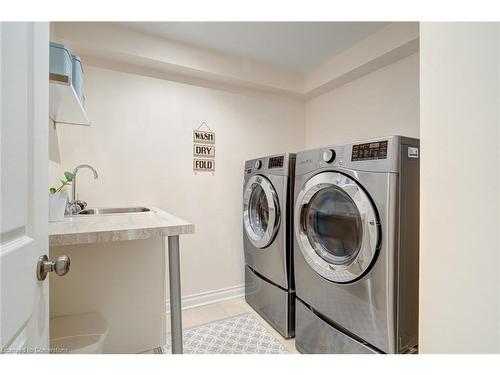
[
  {"x": 276, "y": 165},
  {"x": 276, "y": 162},
  {"x": 369, "y": 151}
]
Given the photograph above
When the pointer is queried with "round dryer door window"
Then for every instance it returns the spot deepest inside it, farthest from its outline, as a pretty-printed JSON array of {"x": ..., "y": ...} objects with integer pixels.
[
  {"x": 336, "y": 227},
  {"x": 261, "y": 215}
]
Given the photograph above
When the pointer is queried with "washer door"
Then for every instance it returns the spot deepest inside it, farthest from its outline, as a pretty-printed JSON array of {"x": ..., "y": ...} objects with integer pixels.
[
  {"x": 337, "y": 227},
  {"x": 261, "y": 214}
]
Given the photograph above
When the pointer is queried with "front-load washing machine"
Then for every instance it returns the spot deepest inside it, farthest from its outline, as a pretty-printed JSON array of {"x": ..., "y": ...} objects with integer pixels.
[
  {"x": 356, "y": 225},
  {"x": 268, "y": 239}
]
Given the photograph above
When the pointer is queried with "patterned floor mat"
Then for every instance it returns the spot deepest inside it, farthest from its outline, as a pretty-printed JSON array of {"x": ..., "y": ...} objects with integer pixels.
[{"x": 241, "y": 334}]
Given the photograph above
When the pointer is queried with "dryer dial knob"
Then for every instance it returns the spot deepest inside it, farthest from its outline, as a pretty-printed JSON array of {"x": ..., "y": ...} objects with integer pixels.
[
  {"x": 258, "y": 164},
  {"x": 329, "y": 155}
]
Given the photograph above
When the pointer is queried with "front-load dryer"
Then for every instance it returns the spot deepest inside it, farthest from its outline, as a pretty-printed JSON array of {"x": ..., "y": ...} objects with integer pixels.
[
  {"x": 356, "y": 226},
  {"x": 268, "y": 239}
]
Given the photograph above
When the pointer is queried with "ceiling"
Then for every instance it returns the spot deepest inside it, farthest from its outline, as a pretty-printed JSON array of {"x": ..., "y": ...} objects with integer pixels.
[{"x": 297, "y": 46}]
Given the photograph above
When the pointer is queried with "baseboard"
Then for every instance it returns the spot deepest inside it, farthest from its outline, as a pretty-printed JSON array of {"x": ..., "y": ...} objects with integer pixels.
[{"x": 205, "y": 298}]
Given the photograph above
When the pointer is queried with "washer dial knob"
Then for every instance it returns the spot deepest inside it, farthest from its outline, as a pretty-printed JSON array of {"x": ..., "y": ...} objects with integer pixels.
[
  {"x": 258, "y": 164},
  {"x": 329, "y": 155}
]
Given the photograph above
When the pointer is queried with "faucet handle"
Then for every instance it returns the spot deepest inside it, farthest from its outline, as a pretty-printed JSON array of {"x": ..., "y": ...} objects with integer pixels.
[
  {"x": 75, "y": 207},
  {"x": 82, "y": 204}
]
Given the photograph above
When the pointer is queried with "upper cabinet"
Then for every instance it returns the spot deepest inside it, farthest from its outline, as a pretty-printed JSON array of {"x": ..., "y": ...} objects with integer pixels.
[{"x": 66, "y": 87}]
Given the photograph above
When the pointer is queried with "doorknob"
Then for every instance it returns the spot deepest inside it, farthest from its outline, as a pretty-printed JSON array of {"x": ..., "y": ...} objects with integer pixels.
[{"x": 60, "y": 266}]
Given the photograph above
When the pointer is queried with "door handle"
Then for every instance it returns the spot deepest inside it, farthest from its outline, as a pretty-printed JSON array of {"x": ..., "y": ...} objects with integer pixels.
[
  {"x": 302, "y": 218},
  {"x": 60, "y": 266}
]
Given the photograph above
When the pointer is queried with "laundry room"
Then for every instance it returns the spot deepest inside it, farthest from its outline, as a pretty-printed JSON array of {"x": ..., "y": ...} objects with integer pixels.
[
  {"x": 253, "y": 187},
  {"x": 155, "y": 129}
]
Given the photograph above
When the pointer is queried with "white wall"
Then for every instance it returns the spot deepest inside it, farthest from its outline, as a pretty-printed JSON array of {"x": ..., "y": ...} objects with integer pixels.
[
  {"x": 384, "y": 102},
  {"x": 140, "y": 142},
  {"x": 460, "y": 205}
]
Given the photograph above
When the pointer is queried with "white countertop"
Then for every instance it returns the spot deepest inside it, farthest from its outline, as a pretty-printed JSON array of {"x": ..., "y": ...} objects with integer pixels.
[{"x": 85, "y": 229}]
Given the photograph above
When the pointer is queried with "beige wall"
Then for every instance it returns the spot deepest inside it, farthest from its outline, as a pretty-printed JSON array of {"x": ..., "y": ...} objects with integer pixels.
[
  {"x": 460, "y": 171},
  {"x": 384, "y": 102},
  {"x": 120, "y": 280},
  {"x": 140, "y": 142}
]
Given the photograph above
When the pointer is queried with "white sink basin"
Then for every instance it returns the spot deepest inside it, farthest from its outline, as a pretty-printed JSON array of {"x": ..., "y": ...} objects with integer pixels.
[{"x": 107, "y": 211}]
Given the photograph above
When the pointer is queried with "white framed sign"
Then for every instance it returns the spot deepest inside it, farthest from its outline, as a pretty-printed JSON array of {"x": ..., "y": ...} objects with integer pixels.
[
  {"x": 203, "y": 165},
  {"x": 204, "y": 151},
  {"x": 200, "y": 136}
]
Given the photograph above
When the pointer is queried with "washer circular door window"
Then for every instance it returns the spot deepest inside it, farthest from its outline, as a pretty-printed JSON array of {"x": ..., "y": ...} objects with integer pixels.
[
  {"x": 261, "y": 216},
  {"x": 337, "y": 227}
]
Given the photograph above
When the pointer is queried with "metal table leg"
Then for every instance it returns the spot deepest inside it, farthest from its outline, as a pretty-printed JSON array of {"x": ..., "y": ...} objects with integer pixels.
[{"x": 175, "y": 294}]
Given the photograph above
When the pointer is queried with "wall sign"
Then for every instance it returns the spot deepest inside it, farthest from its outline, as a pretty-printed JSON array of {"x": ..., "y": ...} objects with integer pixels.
[
  {"x": 203, "y": 137},
  {"x": 203, "y": 149},
  {"x": 203, "y": 165}
]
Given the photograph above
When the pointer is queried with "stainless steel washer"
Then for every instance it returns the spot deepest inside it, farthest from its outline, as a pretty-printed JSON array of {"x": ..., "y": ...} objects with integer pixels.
[
  {"x": 356, "y": 247},
  {"x": 268, "y": 239}
]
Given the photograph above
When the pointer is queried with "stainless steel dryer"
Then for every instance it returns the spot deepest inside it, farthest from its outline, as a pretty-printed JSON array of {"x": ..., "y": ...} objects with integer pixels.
[
  {"x": 356, "y": 247},
  {"x": 268, "y": 239}
]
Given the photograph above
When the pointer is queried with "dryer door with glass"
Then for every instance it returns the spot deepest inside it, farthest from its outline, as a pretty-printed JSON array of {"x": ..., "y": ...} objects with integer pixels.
[
  {"x": 261, "y": 213},
  {"x": 337, "y": 227}
]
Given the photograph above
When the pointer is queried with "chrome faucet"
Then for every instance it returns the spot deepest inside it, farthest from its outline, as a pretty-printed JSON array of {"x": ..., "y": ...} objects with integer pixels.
[{"x": 75, "y": 205}]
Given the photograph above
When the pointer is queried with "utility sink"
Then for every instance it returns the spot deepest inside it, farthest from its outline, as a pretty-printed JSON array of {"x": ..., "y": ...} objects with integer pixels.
[{"x": 108, "y": 211}]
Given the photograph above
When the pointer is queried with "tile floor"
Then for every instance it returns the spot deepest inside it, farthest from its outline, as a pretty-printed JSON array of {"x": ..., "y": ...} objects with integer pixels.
[{"x": 204, "y": 314}]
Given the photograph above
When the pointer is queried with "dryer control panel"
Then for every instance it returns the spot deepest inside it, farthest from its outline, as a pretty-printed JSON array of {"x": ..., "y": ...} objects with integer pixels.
[{"x": 369, "y": 151}]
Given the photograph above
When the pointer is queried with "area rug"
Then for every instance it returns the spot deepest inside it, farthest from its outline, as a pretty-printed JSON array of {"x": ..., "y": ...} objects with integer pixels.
[{"x": 240, "y": 334}]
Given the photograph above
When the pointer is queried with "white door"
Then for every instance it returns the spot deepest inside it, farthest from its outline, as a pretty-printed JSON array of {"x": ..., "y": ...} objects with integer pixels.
[{"x": 24, "y": 104}]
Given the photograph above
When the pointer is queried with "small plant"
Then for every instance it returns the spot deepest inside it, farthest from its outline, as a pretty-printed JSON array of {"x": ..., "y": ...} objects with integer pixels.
[{"x": 69, "y": 178}]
